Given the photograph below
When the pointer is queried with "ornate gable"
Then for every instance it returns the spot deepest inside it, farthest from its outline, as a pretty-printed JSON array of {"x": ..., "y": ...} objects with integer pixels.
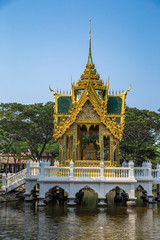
[{"x": 88, "y": 114}]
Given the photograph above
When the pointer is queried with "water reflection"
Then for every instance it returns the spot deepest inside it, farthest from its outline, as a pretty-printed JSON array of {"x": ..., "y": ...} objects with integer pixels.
[{"x": 26, "y": 221}]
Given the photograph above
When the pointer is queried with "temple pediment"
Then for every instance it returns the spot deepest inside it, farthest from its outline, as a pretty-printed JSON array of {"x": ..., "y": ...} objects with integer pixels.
[{"x": 88, "y": 114}]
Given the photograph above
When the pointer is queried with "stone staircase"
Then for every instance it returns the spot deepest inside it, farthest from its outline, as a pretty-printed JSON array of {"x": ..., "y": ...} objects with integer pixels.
[{"x": 13, "y": 181}]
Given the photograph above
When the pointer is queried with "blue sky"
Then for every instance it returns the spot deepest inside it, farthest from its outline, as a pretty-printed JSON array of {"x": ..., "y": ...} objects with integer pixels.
[{"x": 44, "y": 42}]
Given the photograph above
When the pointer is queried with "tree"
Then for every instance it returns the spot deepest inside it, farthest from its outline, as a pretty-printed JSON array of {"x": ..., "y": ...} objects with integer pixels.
[
  {"x": 29, "y": 127},
  {"x": 52, "y": 148},
  {"x": 9, "y": 147},
  {"x": 139, "y": 137}
]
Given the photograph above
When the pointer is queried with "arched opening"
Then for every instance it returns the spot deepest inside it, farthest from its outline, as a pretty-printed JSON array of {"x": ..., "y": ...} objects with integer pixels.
[
  {"x": 156, "y": 192},
  {"x": 86, "y": 196},
  {"x": 141, "y": 195},
  {"x": 35, "y": 192},
  {"x": 117, "y": 196},
  {"x": 56, "y": 195}
]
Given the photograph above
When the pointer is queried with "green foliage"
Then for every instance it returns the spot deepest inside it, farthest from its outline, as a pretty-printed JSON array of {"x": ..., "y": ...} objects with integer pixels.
[
  {"x": 28, "y": 129},
  {"x": 25, "y": 128},
  {"x": 53, "y": 149},
  {"x": 140, "y": 135}
]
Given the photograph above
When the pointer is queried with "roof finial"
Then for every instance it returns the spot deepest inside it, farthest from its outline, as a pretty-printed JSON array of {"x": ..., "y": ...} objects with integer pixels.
[
  {"x": 90, "y": 54},
  {"x": 89, "y": 38}
]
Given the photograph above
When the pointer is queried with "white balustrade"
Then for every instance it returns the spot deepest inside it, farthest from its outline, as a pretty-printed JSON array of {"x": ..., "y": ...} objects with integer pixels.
[
  {"x": 141, "y": 172},
  {"x": 56, "y": 172},
  {"x": 91, "y": 172},
  {"x": 11, "y": 179},
  {"x": 44, "y": 170},
  {"x": 34, "y": 168},
  {"x": 155, "y": 173},
  {"x": 34, "y": 171},
  {"x": 116, "y": 172}
]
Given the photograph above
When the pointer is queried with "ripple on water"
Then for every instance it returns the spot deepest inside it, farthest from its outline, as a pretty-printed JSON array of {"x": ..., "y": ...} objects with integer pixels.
[{"x": 23, "y": 221}]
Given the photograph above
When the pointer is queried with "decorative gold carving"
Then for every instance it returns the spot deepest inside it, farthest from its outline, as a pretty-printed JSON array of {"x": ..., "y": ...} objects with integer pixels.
[
  {"x": 78, "y": 142},
  {"x": 98, "y": 143},
  {"x": 115, "y": 144},
  {"x": 89, "y": 107},
  {"x": 96, "y": 111},
  {"x": 87, "y": 113}
]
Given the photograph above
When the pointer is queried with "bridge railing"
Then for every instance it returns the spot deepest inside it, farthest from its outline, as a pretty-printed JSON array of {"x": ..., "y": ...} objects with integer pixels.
[
  {"x": 84, "y": 172},
  {"x": 156, "y": 173},
  {"x": 127, "y": 171},
  {"x": 44, "y": 170},
  {"x": 34, "y": 168},
  {"x": 146, "y": 171},
  {"x": 112, "y": 172},
  {"x": 10, "y": 179},
  {"x": 141, "y": 172},
  {"x": 56, "y": 172}
]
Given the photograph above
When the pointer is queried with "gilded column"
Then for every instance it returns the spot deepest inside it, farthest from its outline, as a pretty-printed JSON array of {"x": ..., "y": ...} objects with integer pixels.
[
  {"x": 69, "y": 147},
  {"x": 117, "y": 154},
  {"x": 74, "y": 133},
  {"x": 76, "y": 143},
  {"x": 101, "y": 146},
  {"x": 60, "y": 152},
  {"x": 100, "y": 140},
  {"x": 111, "y": 151},
  {"x": 64, "y": 149},
  {"x": 79, "y": 144}
]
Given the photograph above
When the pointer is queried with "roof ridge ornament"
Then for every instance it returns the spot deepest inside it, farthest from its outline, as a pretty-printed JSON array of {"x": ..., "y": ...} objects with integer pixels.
[
  {"x": 90, "y": 72},
  {"x": 90, "y": 52}
]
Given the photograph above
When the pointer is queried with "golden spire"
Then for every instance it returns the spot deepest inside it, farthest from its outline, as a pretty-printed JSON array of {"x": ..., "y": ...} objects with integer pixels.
[
  {"x": 90, "y": 54},
  {"x": 90, "y": 71}
]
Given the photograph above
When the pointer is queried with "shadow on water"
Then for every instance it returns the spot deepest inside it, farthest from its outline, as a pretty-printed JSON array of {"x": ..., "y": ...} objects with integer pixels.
[{"x": 20, "y": 220}]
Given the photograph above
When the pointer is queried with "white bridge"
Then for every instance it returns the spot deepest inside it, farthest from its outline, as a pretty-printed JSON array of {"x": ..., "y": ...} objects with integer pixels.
[{"x": 72, "y": 179}]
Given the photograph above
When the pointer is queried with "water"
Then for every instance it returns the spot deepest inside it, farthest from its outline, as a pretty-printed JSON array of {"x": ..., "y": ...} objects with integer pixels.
[{"x": 19, "y": 220}]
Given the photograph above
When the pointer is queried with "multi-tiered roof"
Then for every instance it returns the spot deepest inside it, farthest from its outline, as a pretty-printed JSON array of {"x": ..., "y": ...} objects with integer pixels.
[{"x": 109, "y": 107}]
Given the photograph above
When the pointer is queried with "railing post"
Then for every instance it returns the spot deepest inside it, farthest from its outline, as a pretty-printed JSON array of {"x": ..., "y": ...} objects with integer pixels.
[
  {"x": 28, "y": 168},
  {"x": 158, "y": 168},
  {"x": 42, "y": 169},
  {"x": 124, "y": 164},
  {"x": 131, "y": 169},
  {"x": 56, "y": 163},
  {"x": 8, "y": 179},
  {"x": 101, "y": 169},
  {"x": 3, "y": 188},
  {"x": 158, "y": 185},
  {"x": 150, "y": 169},
  {"x": 71, "y": 168},
  {"x": 4, "y": 179}
]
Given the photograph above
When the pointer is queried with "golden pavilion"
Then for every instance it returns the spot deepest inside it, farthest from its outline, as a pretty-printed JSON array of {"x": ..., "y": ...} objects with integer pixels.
[{"x": 89, "y": 122}]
